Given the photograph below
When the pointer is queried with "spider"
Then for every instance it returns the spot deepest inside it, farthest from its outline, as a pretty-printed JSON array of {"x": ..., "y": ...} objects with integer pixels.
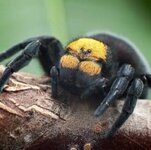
[{"x": 100, "y": 64}]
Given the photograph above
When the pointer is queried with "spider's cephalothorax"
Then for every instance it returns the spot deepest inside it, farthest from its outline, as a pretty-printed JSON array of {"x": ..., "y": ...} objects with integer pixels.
[
  {"x": 102, "y": 65},
  {"x": 83, "y": 64}
]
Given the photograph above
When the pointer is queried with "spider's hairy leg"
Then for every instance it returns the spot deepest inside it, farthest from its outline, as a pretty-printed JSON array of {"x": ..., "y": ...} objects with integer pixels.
[
  {"x": 97, "y": 85},
  {"x": 49, "y": 55},
  {"x": 20, "y": 61},
  {"x": 50, "y": 52},
  {"x": 48, "y": 48},
  {"x": 14, "y": 49},
  {"x": 54, "y": 81},
  {"x": 134, "y": 92},
  {"x": 119, "y": 86},
  {"x": 148, "y": 77}
]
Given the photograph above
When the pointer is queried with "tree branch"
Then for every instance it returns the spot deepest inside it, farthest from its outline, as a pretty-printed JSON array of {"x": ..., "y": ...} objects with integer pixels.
[{"x": 31, "y": 119}]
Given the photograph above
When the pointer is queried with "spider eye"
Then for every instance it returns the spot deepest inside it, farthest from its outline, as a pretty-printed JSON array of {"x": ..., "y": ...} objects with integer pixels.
[
  {"x": 89, "y": 51},
  {"x": 85, "y": 51},
  {"x": 82, "y": 49},
  {"x": 69, "y": 49}
]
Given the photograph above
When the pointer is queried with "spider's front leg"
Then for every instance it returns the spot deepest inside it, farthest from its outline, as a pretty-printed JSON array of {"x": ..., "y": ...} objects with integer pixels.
[
  {"x": 54, "y": 73},
  {"x": 19, "y": 62},
  {"x": 48, "y": 49},
  {"x": 134, "y": 92},
  {"x": 14, "y": 49},
  {"x": 98, "y": 85},
  {"x": 119, "y": 86}
]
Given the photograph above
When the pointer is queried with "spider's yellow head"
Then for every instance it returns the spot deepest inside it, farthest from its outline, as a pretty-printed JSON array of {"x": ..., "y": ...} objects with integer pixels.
[{"x": 88, "y": 48}]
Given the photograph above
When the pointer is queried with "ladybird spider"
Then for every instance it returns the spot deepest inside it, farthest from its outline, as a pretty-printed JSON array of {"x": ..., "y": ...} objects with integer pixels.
[{"x": 100, "y": 64}]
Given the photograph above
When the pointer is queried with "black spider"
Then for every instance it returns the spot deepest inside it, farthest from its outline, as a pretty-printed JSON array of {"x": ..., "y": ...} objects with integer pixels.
[{"x": 100, "y": 64}]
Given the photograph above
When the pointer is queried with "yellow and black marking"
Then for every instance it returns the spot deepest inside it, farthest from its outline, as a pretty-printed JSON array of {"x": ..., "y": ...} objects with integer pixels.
[
  {"x": 89, "y": 67},
  {"x": 69, "y": 61},
  {"x": 98, "y": 49}
]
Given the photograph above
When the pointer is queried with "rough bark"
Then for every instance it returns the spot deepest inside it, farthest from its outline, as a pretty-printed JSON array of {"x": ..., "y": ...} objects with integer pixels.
[{"x": 31, "y": 119}]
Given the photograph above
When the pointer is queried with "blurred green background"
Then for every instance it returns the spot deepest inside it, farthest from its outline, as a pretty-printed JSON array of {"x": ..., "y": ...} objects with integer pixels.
[{"x": 67, "y": 19}]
